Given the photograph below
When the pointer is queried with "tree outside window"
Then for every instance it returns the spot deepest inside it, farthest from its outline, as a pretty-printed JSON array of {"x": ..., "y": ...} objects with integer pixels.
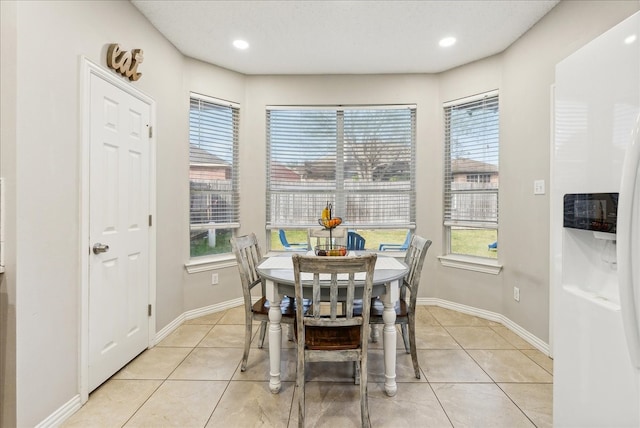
[{"x": 360, "y": 160}]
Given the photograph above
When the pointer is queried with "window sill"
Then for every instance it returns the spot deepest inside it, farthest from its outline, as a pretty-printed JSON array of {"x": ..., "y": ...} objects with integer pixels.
[
  {"x": 210, "y": 263},
  {"x": 475, "y": 264}
]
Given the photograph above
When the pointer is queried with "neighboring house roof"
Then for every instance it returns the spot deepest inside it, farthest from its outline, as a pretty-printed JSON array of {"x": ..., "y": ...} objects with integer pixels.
[
  {"x": 463, "y": 166},
  {"x": 201, "y": 157},
  {"x": 283, "y": 173}
]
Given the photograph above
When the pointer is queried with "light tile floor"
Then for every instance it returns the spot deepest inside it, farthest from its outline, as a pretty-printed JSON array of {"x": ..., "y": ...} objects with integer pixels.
[{"x": 475, "y": 373}]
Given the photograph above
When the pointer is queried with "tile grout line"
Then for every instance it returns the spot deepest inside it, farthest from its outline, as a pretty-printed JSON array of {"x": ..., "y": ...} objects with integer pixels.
[
  {"x": 494, "y": 382},
  {"x": 293, "y": 402},
  {"x": 172, "y": 371}
]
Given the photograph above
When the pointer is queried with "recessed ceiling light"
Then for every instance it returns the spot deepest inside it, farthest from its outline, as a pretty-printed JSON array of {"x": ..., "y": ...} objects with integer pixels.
[
  {"x": 630, "y": 39},
  {"x": 447, "y": 41},
  {"x": 241, "y": 44}
]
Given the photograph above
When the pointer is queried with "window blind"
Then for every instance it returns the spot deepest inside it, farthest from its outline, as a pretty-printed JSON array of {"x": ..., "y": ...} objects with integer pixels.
[
  {"x": 213, "y": 163},
  {"x": 359, "y": 159},
  {"x": 471, "y": 162}
]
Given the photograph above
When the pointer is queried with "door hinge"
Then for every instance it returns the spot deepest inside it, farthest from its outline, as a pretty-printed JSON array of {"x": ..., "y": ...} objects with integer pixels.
[
  {"x": 150, "y": 131},
  {"x": 149, "y": 310},
  {"x": 150, "y": 220}
]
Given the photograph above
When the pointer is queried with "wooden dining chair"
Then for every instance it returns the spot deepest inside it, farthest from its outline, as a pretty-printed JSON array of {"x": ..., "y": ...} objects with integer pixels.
[
  {"x": 406, "y": 310},
  {"x": 333, "y": 334},
  {"x": 249, "y": 256}
]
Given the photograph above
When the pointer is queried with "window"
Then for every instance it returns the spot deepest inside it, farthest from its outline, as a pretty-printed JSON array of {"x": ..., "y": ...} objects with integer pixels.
[
  {"x": 471, "y": 175},
  {"x": 213, "y": 174},
  {"x": 361, "y": 160},
  {"x": 478, "y": 178}
]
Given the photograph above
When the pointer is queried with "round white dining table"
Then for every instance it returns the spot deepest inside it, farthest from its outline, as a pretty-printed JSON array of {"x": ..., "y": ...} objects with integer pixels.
[{"x": 277, "y": 272}]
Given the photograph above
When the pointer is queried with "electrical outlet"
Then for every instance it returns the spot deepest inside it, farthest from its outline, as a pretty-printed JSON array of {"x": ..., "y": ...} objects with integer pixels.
[
  {"x": 516, "y": 294},
  {"x": 538, "y": 187},
  {"x": 214, "y": 278}
]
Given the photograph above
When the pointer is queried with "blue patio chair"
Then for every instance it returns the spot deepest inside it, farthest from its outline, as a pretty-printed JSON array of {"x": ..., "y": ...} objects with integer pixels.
[
  {"x": 397, "y": 247},
  {"x": 355, "y": 241},
  {"x": 493, "y": 246},
  {"x": 290, "y": 247}
]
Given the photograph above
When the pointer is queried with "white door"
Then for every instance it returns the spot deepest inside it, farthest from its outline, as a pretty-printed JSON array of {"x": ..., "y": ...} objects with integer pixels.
[{"x": 118, "y": 229}]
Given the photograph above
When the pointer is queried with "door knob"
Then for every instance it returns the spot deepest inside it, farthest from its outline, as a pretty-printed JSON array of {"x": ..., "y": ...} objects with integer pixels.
[{"x": 100, "y": 248}]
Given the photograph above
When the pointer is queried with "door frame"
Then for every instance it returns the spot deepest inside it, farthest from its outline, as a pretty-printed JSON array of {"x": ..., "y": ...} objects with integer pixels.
[{"x": 88, "y": 69}]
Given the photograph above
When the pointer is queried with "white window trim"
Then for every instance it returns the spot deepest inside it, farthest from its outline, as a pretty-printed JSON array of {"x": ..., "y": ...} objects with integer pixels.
[
  {"x": 412, "y": 224},
  {"x": 471, "y": 98},
  {"x": 472, "y": 263},
  {"x": 204, "y": 264},
  {"x": 214, "y": 261},
  {"x": 462, "y": 261},
  {"x": 214, "y": 100}
]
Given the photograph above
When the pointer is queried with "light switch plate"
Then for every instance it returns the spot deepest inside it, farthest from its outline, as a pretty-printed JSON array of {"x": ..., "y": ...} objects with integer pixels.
[{"x": 538, "y": 187}]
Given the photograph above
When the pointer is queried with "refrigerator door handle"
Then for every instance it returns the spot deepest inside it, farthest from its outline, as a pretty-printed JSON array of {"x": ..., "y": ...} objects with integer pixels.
[{"x": 627, "y": 229}]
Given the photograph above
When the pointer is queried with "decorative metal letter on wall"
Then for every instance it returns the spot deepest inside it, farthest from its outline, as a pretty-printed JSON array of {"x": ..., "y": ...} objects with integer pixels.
[{"x": 125, "y": 63}]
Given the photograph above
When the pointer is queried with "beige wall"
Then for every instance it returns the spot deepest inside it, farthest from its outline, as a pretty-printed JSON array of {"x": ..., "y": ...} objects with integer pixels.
[
  {"x": 299, "y": 90},
  {"x": 524, "y": 74},
  {"x": 41, "y": 63},
  {"x": 226, "y": 85},
  {"x": 479, "y": 290},
  {"x": 40, "y": 157},
  {"x": 528, "y": 70},
  {"x": 8, "y": 76}
]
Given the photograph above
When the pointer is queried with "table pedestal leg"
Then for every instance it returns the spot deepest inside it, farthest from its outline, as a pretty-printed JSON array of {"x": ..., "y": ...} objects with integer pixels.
[
  {"x": 275, "y": 337},
  {"x": 389, "y": 337}
]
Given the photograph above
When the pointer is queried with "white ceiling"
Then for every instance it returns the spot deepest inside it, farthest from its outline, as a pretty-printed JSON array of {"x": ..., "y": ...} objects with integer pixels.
[{"x": 342, "y": 37}]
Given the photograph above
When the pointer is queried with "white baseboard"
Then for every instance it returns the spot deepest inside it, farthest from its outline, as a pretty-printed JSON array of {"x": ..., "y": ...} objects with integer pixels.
[
  {"x": 168, "y": 329},
  {"x": 195, "y": 313},
  {"x": 538, "y": 343},
  {"x": 62, "y": 414},
  {"x": 218, "y": 307},
  {"x": 73, "y": 405},
  {"x": 69, "y": 408}
]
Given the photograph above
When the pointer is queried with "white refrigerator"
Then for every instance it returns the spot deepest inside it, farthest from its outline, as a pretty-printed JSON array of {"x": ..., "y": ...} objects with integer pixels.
[{"x": 595, "y": 233}]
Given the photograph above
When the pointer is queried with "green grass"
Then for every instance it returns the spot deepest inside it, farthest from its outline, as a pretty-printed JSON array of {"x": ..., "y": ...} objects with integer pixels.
[
  {"x": 463, "y": 241},
  {"x": 373, "y": 238},
  {"x": 200, "y": 245},
  {"x": 473, "y": 242},
  {"x": 293, "y": 237}
]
